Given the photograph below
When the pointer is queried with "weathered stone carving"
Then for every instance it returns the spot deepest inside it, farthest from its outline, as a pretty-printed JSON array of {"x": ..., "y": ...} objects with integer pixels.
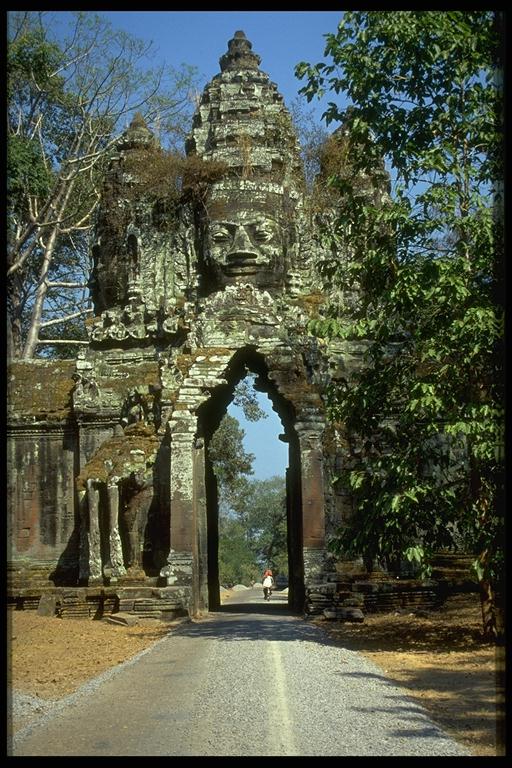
[
  {"x": 180, "y": 312},
  {"x": 246, "y": 237}
]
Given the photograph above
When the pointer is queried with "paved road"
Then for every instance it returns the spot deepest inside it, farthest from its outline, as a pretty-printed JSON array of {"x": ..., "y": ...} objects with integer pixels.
[{"x": 250, "y": 680}]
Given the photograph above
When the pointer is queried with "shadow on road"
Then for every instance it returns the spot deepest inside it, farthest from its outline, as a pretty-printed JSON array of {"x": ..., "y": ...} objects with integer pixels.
[
  {"x": 247, "y": 616},
  {"x": 240, "y": 626},
  {"x": 277, "y": 607}
]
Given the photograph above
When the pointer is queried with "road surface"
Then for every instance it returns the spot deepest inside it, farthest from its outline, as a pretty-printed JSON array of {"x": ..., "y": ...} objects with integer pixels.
[{"x": 250, "y": 680}]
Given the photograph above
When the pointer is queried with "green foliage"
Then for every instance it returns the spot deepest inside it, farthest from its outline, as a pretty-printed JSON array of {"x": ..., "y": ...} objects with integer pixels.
[
  {"x": 252, "y": 513},
  {"x": 245, "y": 397},
  {"x": 426, "y": 416},
  {"x": 252, "y": 531},
  {"x": 228, "y": 456},
  {"x": 237, "y": 563},
  {"x": 25, "y": 171}
]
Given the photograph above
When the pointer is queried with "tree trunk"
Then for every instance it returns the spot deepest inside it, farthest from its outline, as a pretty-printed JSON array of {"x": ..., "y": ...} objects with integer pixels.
[
  {"x": 42, "y": 289},
  {"x": 14, "y": 316},
  {"x": 10, "y": 339},
  {"x": 35, "y": 322},
  {"x": 488, "y": 606}
]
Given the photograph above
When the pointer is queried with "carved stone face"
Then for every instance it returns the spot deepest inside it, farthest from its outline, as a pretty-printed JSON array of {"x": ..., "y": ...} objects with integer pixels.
[{"x": 245, "y": 244}]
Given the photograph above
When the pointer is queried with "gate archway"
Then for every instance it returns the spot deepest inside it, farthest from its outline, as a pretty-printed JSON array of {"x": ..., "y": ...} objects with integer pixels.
[
  {"x": 209, "y": 417},
  {"x": 197, "y": 411}
]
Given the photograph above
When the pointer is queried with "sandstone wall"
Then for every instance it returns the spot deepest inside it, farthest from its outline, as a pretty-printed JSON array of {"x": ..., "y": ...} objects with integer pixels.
[{"x": 42, "y": 461}]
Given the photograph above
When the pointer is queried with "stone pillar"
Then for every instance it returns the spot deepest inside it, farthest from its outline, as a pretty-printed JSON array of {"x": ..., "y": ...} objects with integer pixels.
[
  {"x": 178, "y": 570},
  {"x": 200, "y": 571},
  {"x": 93, "y": 534},
  {"x": 83, "y": 542},
  {"x": 116, "y": 549},
  {"x": 312, "y": 493},
  {"x": 212, "y": 515}
]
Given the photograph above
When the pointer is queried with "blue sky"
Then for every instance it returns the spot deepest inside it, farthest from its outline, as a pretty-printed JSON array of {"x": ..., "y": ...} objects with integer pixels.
[
  {"x": 261, "y": 439},
  {"x": 199, "y": 38},
  {"x": 281, "y": 39}
]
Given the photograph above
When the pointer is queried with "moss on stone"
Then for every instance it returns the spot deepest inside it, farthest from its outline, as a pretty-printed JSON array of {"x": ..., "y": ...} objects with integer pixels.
[
  {"x": 311, "y": 302},
  {"x": 114, "y": 457},
  {"x": 40, "y": 389},
  {"x": 128, "y": 377}
]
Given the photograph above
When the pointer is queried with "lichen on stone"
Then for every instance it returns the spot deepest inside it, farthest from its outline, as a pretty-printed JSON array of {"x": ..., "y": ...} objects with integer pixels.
[{"x": 40, "y": 390}]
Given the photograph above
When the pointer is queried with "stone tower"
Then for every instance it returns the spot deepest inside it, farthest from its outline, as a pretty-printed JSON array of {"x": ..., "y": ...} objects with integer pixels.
[{"x": 182, "y": 312}]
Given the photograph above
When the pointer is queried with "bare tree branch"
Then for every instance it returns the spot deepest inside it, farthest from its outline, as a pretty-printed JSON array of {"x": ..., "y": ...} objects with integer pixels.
[
  {"x": 62, "y": 284},
  {"x": 52, "y": 342},
  {"x": 59, "y": 320},
  {"x": 69, "y": 111}
]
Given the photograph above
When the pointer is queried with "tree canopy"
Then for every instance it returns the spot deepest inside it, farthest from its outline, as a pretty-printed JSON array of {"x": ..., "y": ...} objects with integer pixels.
[{"x": 423, "y": 91}]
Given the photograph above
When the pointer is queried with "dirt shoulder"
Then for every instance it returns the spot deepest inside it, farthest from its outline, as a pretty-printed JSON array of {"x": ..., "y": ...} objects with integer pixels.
[{"x": 439, "y": 658}]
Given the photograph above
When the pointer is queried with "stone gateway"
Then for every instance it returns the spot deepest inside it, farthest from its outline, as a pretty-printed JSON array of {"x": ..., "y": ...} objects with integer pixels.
[{"x": 112, "y": 495}]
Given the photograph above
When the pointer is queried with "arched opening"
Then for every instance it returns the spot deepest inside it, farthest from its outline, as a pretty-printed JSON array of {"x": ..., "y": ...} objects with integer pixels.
[{"x": 210, "y": 415}]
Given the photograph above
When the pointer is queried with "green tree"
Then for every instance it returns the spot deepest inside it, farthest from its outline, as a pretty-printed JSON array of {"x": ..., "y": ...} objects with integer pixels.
[
  {"x": 267, "y": 522},
  {"x": 252, "y": 530},
  {"x": 237, "y": 561},
  {"x": 252, "y": 513},
  {"x": 232, "y": 465},
  {"x": 72, "y": 83},
  {"x": 230, "y": 460},
  {"x": 424, "y": 91}
]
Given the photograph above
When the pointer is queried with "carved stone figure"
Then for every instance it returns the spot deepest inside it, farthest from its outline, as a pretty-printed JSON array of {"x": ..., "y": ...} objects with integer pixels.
[{"x": 246, "y": 237}]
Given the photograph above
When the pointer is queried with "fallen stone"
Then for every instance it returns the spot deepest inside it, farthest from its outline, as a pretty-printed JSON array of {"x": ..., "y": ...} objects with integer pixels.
[
  {"x": 350, "y": 614},
  {"x": 126, "y": 619}
]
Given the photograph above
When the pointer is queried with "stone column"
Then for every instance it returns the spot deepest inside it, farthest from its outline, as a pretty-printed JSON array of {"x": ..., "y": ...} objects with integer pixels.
[
  {"x": 312, "y": 493},
  {"x": 178, "y": 570},
  {"x": 93, "y": 534},
  {"x": 116, "y": 549},
  {"x": 200, "y": 570},
  {"x": 83, "y": 542}
]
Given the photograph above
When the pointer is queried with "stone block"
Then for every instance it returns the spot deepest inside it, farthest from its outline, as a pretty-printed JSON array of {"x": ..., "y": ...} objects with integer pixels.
[
  {"x": 350, "y": 614},
  {"x": 47, "y": 605},
  {"x": 353, "y": 602}
]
